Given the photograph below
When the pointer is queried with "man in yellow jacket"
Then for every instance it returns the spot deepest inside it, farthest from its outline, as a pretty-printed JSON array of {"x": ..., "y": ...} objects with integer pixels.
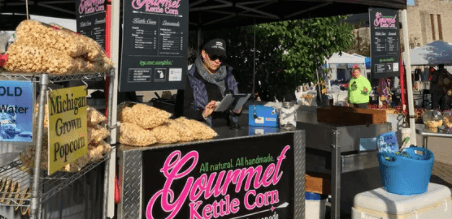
[{"x": 358, "y": 90}]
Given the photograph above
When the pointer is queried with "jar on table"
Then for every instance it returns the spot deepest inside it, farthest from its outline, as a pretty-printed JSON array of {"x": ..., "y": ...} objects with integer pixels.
[{"x": 288, "y": 116}]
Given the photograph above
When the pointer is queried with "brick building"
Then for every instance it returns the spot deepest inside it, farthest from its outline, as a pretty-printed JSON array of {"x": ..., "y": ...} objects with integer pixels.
[{"x": 428, "y": 21}]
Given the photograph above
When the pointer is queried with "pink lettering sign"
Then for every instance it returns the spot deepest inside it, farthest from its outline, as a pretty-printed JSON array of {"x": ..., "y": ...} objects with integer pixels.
[
  {"x": 168, "y": 4},
  {"x": 178, "y": 167},
  {"x": 384, "y": 21},
  {"x": 90, "y": 6}
]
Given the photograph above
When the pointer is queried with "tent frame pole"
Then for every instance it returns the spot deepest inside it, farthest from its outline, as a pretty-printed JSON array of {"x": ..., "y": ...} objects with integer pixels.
[
  {"x": 254, "y": 61},
  {"x": 113, "y": 96},
  {"x": 407, "y": 60}
]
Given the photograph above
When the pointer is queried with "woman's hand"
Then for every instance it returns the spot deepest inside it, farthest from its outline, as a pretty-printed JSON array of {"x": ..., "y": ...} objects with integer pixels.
[
  {"x": 238, "y": 111},
  {"x": 208, "y": 110},
  {"x": 365, "y": 89}
]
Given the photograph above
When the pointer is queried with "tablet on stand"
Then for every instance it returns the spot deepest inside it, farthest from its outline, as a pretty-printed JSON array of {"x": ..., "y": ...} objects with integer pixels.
[{"x": 232, "y": 103}]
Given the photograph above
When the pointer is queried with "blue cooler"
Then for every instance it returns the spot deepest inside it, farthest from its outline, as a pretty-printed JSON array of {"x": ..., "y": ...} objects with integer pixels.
[
  {"x": 315, "y": 205},
  {"x": 255, "y": 130},
  {"x": 406, "y": 176},
  {"x": 262, "y": 116}
]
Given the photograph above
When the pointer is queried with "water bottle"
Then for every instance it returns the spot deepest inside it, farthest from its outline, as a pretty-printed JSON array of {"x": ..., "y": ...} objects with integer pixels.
[{"x": 288, "y": 116}]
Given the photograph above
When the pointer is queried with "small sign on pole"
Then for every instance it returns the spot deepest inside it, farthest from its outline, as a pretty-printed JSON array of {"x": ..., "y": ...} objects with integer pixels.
[
  {"x": 68, "y": 138},
  {"x": 16, "y": 111}
]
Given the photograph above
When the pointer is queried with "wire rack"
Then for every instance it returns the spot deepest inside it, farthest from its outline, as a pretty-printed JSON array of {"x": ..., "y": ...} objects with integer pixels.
[
  {"x": 52, "y": 78},
  {"x": 16, "y": 183}
]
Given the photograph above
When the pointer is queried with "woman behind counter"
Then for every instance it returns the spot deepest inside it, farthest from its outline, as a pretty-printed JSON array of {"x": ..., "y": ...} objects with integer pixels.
[{"x": 209, "y": 80}]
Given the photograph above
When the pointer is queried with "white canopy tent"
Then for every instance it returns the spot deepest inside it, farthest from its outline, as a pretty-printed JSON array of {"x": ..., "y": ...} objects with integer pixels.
[
  {"x": 435, "y": 53},
  {"x": 344, "y": 62},
  {"x": 346, "y": 58}
]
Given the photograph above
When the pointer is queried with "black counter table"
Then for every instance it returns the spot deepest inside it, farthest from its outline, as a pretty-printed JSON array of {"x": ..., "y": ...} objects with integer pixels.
[
  {"x": 236, "y": 175},
  {"x": 334, "y": 149}
]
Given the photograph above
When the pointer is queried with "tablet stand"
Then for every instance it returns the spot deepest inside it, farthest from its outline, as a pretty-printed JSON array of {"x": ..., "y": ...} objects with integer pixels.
[{"x": 233, "y": 119}]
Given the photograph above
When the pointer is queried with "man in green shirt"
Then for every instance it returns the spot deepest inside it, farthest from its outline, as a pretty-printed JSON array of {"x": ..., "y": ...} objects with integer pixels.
[{"x": 358, "y": 89}]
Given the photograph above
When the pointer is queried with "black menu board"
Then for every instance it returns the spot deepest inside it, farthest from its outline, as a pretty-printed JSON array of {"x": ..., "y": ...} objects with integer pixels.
[
  {"x": 91, "y": 19},
  {"x": 154, "y": 42},
  {"x": 385, "y": 42}
]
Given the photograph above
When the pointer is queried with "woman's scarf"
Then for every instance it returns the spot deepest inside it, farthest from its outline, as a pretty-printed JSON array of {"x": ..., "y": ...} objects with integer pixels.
[{"x": 216, "y": 79}]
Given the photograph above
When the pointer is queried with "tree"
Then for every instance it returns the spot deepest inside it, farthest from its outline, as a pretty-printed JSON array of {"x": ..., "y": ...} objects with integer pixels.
[{"x": 288, "y": 53}]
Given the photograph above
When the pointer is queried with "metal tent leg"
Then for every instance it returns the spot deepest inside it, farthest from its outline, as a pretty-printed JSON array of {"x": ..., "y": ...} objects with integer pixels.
[
  {"x": 425, "y": 141},
  {"x": 409, "y": 88},
  {"x": 35, "y": 200},
  {"x": 110, "y": 164},
  {"x": 336, "y": 169}
]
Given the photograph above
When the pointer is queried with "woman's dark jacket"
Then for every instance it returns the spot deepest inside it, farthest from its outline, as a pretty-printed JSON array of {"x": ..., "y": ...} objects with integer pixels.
[{"x": 199, "y": 92}]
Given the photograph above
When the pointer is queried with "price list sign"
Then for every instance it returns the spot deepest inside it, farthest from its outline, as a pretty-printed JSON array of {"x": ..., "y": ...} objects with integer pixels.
[
  {"x": 91, "y": 19},
  {"x": 154, "y": 42},
  {"x": 385, "y": 42}
]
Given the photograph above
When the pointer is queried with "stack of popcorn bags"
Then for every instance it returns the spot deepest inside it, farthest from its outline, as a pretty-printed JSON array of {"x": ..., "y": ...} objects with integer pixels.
[
  {"x": 96, "y": 149},
  {"x": 43, "y": 48},
  {"x": 143, "y": 125}
]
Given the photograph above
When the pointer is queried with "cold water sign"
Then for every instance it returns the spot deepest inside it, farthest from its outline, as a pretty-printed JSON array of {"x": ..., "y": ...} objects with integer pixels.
[
  {"x": 213, "y": 180},
  {"x": 385, "y": 42},
  {"x": 67, "y": 126},
  {"x": 16, "y": 111}
]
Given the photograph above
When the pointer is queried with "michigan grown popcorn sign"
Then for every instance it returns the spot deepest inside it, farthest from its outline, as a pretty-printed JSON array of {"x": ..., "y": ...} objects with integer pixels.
[
  {"x": 238, "y": 180},
  {"x": 67, "y": 126}
]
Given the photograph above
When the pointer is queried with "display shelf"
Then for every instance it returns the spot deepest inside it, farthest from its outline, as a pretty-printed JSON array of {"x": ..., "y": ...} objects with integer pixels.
[
  {"x": 53, "y": 78},
  {"x": 50, "y": 185},
  {"x": 41, "y": 185},
  {"x": 98, "y": 107}
]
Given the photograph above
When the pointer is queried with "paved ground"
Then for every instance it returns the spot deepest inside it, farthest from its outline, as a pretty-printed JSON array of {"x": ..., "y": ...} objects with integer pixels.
[
  {"x": 442, "y": 174},
  {"x": 442, "y": 167}
]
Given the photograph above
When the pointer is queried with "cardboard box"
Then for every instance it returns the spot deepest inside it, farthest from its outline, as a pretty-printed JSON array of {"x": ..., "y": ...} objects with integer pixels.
[
  {"x": 348, "y": 116},
  {"x": 318, "y": 183}
]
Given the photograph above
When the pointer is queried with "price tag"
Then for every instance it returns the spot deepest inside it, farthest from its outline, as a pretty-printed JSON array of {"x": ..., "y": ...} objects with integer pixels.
[
  {"x": 259, "y": 120},
  {"x": 259, "y": 131}
]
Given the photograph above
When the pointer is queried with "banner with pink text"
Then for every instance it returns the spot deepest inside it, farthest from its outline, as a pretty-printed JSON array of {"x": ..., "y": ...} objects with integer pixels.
[
  {"x": 91, "y": 19},
  {"x": 385, "y": 42},
  {"x": 154, "y": 45},
  {"x": 251, "y": 178}
]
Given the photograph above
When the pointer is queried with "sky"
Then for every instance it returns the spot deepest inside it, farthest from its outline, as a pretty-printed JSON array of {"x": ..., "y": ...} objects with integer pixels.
[
  {"x": 70, "y": 24},
  {"x": 410, "y": 2}
]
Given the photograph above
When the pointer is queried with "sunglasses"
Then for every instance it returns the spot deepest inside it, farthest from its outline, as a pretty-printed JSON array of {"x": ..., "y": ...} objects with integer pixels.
[{"x": 215, "y": 57}]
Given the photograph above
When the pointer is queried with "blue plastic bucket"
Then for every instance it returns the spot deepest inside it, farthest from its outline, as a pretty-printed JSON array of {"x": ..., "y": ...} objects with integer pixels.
[{"x": 406, "y": 176}]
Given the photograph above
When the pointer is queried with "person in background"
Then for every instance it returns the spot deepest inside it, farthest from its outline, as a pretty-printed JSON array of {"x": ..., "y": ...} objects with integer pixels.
[
  {"x": 208, "y": 81},
  {"x": 416, "y": 76},
  {"x": 437, "y": 88},
  {"x": 431, "y": 71},
  {"x": 321, "y": 99},
  {"x": 358, "y": 89}
]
